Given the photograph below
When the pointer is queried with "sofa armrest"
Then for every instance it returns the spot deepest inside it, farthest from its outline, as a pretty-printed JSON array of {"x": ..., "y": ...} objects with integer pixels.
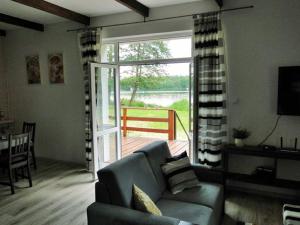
[
  {"x": 209, "y": 175},
  {"x": 101, "y": 193},
  {"x": 99, "y": 213}
]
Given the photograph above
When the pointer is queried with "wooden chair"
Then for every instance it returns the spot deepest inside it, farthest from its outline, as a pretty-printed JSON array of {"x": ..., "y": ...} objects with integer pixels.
[
  {"x": 17, "y": 158},
  {"x": 30, "y": 128}
]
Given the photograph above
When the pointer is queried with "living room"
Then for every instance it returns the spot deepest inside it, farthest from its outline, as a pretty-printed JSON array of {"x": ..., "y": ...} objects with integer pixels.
[{"x": 259, "y": 37}]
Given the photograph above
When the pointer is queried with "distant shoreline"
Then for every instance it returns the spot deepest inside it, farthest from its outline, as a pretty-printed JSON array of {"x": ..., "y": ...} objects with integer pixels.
[{"x": 154, "y": 92}]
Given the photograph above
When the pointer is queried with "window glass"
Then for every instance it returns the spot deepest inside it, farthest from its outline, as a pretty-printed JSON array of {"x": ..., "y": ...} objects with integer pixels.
[
  {"x": 155, "y": 49},
  {"x": 108, "y": 53},
  {"x": 157, "y": 88},
  {"x": 161, "y": 84}
]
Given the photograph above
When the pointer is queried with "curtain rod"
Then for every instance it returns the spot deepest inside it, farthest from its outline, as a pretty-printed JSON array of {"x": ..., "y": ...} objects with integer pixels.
[{"x": 166, "y": 18}]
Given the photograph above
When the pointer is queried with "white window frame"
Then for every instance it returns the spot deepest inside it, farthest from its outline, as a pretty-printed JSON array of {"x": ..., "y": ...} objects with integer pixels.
[{"x": 148, "y": 37}]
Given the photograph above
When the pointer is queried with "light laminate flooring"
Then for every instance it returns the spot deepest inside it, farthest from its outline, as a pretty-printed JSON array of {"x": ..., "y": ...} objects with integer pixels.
[
  {"x": 252, "y": 209},
  {"x": 61, "y": 193}
]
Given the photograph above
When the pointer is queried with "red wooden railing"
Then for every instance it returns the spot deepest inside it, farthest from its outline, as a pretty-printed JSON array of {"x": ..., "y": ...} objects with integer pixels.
[{"x": 171, "y": 120}]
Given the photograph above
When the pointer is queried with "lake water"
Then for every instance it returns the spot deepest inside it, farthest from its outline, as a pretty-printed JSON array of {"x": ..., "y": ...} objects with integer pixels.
[{"x": 161, "y": 98}]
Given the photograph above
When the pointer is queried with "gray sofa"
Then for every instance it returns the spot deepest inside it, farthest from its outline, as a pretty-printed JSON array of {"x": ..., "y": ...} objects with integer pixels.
[{"x": 201, "y": 205}]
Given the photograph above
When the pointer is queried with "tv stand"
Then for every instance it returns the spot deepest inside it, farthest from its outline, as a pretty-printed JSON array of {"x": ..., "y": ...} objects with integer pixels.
[
  {"x": 288, "y": 150},
  {"x": 275, "y": 154}
]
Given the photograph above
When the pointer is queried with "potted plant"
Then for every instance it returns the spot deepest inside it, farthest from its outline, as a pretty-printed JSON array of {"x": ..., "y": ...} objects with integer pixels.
[{"x": 239, "y": 135}]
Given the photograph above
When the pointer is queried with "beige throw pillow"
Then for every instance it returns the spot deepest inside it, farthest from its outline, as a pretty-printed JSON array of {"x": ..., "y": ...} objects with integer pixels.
[{"x": 143, "y": 202}]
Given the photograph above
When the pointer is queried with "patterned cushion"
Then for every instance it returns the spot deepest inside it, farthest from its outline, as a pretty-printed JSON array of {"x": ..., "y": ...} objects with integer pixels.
[
  {"x": 291, "y": 214},
  {"x": 179, "y": 173},
  {"x": 143, "y": 202}
]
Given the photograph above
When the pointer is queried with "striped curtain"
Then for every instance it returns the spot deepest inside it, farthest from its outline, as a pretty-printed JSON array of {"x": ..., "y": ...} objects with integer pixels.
[
  {"x": 89, "y": 47},
  {"x": 210, "y": 89}
]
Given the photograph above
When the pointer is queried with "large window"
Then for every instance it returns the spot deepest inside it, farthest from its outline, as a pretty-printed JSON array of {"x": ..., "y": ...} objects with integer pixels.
[
  {"x": 164, "y": 50},
  {"x": 108, "y": 53},
  {"x": 154, "y": 74},
  {"x": 155, "y": 50}
]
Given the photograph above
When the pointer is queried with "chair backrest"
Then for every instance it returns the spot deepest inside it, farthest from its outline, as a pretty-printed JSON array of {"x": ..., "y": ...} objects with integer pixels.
[
  {"x": 18, "y": 146},
  {"x": 29, "y": 128}
]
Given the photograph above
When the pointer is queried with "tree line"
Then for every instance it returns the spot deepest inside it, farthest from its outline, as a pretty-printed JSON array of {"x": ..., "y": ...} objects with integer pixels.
[{"x": 165, "y": 83}]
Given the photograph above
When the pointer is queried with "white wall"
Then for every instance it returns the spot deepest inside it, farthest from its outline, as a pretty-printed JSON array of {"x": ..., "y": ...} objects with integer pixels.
[
  {"x": 1, "y": 57},
  {"x": 1, "y": 61},
  {"x": 3, "y": 83},
  {"x": 58, "y": 110},
  {"x": 258, "y": 41},
  {"x": 156, "y": 26}
]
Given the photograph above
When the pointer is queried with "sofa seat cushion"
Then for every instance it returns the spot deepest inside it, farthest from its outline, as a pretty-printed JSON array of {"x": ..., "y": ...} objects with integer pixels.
[
  {"x": 190, "y": 212},
  {"x": 210, "y": 195}
]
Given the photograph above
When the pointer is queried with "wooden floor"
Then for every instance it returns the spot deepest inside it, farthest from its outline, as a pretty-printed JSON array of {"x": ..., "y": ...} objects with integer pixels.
[
  {"x": 253, "y": 209},
  {"x": 61, "y": 193},
  {"x": 131, "y": 144}
]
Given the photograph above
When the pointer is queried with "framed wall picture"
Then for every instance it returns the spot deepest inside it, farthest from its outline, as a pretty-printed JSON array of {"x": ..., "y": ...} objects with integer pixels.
[
  {"x": 56, "y": 68},
  {"x": 33, "y": 69}
]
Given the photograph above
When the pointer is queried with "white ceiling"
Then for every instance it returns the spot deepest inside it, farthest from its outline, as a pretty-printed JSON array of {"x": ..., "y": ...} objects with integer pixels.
[{"x": 89, "y": 8}]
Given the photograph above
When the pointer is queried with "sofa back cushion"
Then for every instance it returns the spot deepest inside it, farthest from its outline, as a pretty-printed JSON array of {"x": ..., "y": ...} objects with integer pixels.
[
  {"x": 120, "y": 176},
  {"x": 156, "y": 153}
]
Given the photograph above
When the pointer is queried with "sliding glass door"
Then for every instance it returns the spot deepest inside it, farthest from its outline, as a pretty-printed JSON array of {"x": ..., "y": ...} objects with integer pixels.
[{"x": 105, "y": 114}]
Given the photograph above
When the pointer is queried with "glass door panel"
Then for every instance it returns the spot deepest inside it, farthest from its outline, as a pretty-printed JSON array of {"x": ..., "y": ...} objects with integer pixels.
[
  {"x": 105, "y": 85},
  {"x": 105, "y": 115},
  {"x": 191, "y": 110},
  {"x": 107, "y": 148}
]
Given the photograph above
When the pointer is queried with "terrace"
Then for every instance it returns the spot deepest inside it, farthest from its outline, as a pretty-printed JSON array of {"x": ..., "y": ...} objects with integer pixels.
[
  {"x": 131, "y": 144},
  {"x": 154, "y": 124}
]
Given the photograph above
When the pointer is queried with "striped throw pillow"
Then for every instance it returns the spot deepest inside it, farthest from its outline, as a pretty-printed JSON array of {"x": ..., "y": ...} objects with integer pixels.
[
  {"x": 291, "y": 214},
  {"x": 179, "y": 173}
]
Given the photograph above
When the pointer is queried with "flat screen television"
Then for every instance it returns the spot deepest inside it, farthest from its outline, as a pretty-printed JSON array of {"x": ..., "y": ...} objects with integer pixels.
[{"x": 288, "y": 101}]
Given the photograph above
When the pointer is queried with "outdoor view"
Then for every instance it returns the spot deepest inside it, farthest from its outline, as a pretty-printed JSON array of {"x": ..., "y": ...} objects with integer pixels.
[{"x": 149, "y": 88}]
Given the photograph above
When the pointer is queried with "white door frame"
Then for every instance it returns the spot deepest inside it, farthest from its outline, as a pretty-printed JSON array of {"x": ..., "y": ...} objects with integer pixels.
[{"x": 117, "y": 129}]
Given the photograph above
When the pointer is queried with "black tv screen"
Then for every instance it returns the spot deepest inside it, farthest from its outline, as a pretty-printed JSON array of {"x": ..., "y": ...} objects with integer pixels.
[{"x": 289, "y": 91}]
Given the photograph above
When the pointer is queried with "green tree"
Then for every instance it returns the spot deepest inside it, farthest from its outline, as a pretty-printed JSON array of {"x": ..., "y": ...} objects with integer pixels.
[
  {"x": 144, "y": 76},
  {"x": 167, "y": 83}
]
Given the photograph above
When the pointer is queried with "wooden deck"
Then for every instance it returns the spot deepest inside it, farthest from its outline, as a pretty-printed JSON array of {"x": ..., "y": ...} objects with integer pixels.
[{"x": 131, "y": 144}]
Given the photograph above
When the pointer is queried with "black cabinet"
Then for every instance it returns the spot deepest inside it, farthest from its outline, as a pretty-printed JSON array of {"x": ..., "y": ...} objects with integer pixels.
[{"x": 275, "y": 154}]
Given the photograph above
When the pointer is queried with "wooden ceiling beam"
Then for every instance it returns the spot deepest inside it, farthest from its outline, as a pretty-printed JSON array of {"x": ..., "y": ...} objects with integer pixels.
[
  {"x": 56, "y": 10},
  {"x": 21, "y": 22},
  {"x": 2, "y": 33},
  {"x": 136, "y": 6},
  {"x": 220, "y": 3}
]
